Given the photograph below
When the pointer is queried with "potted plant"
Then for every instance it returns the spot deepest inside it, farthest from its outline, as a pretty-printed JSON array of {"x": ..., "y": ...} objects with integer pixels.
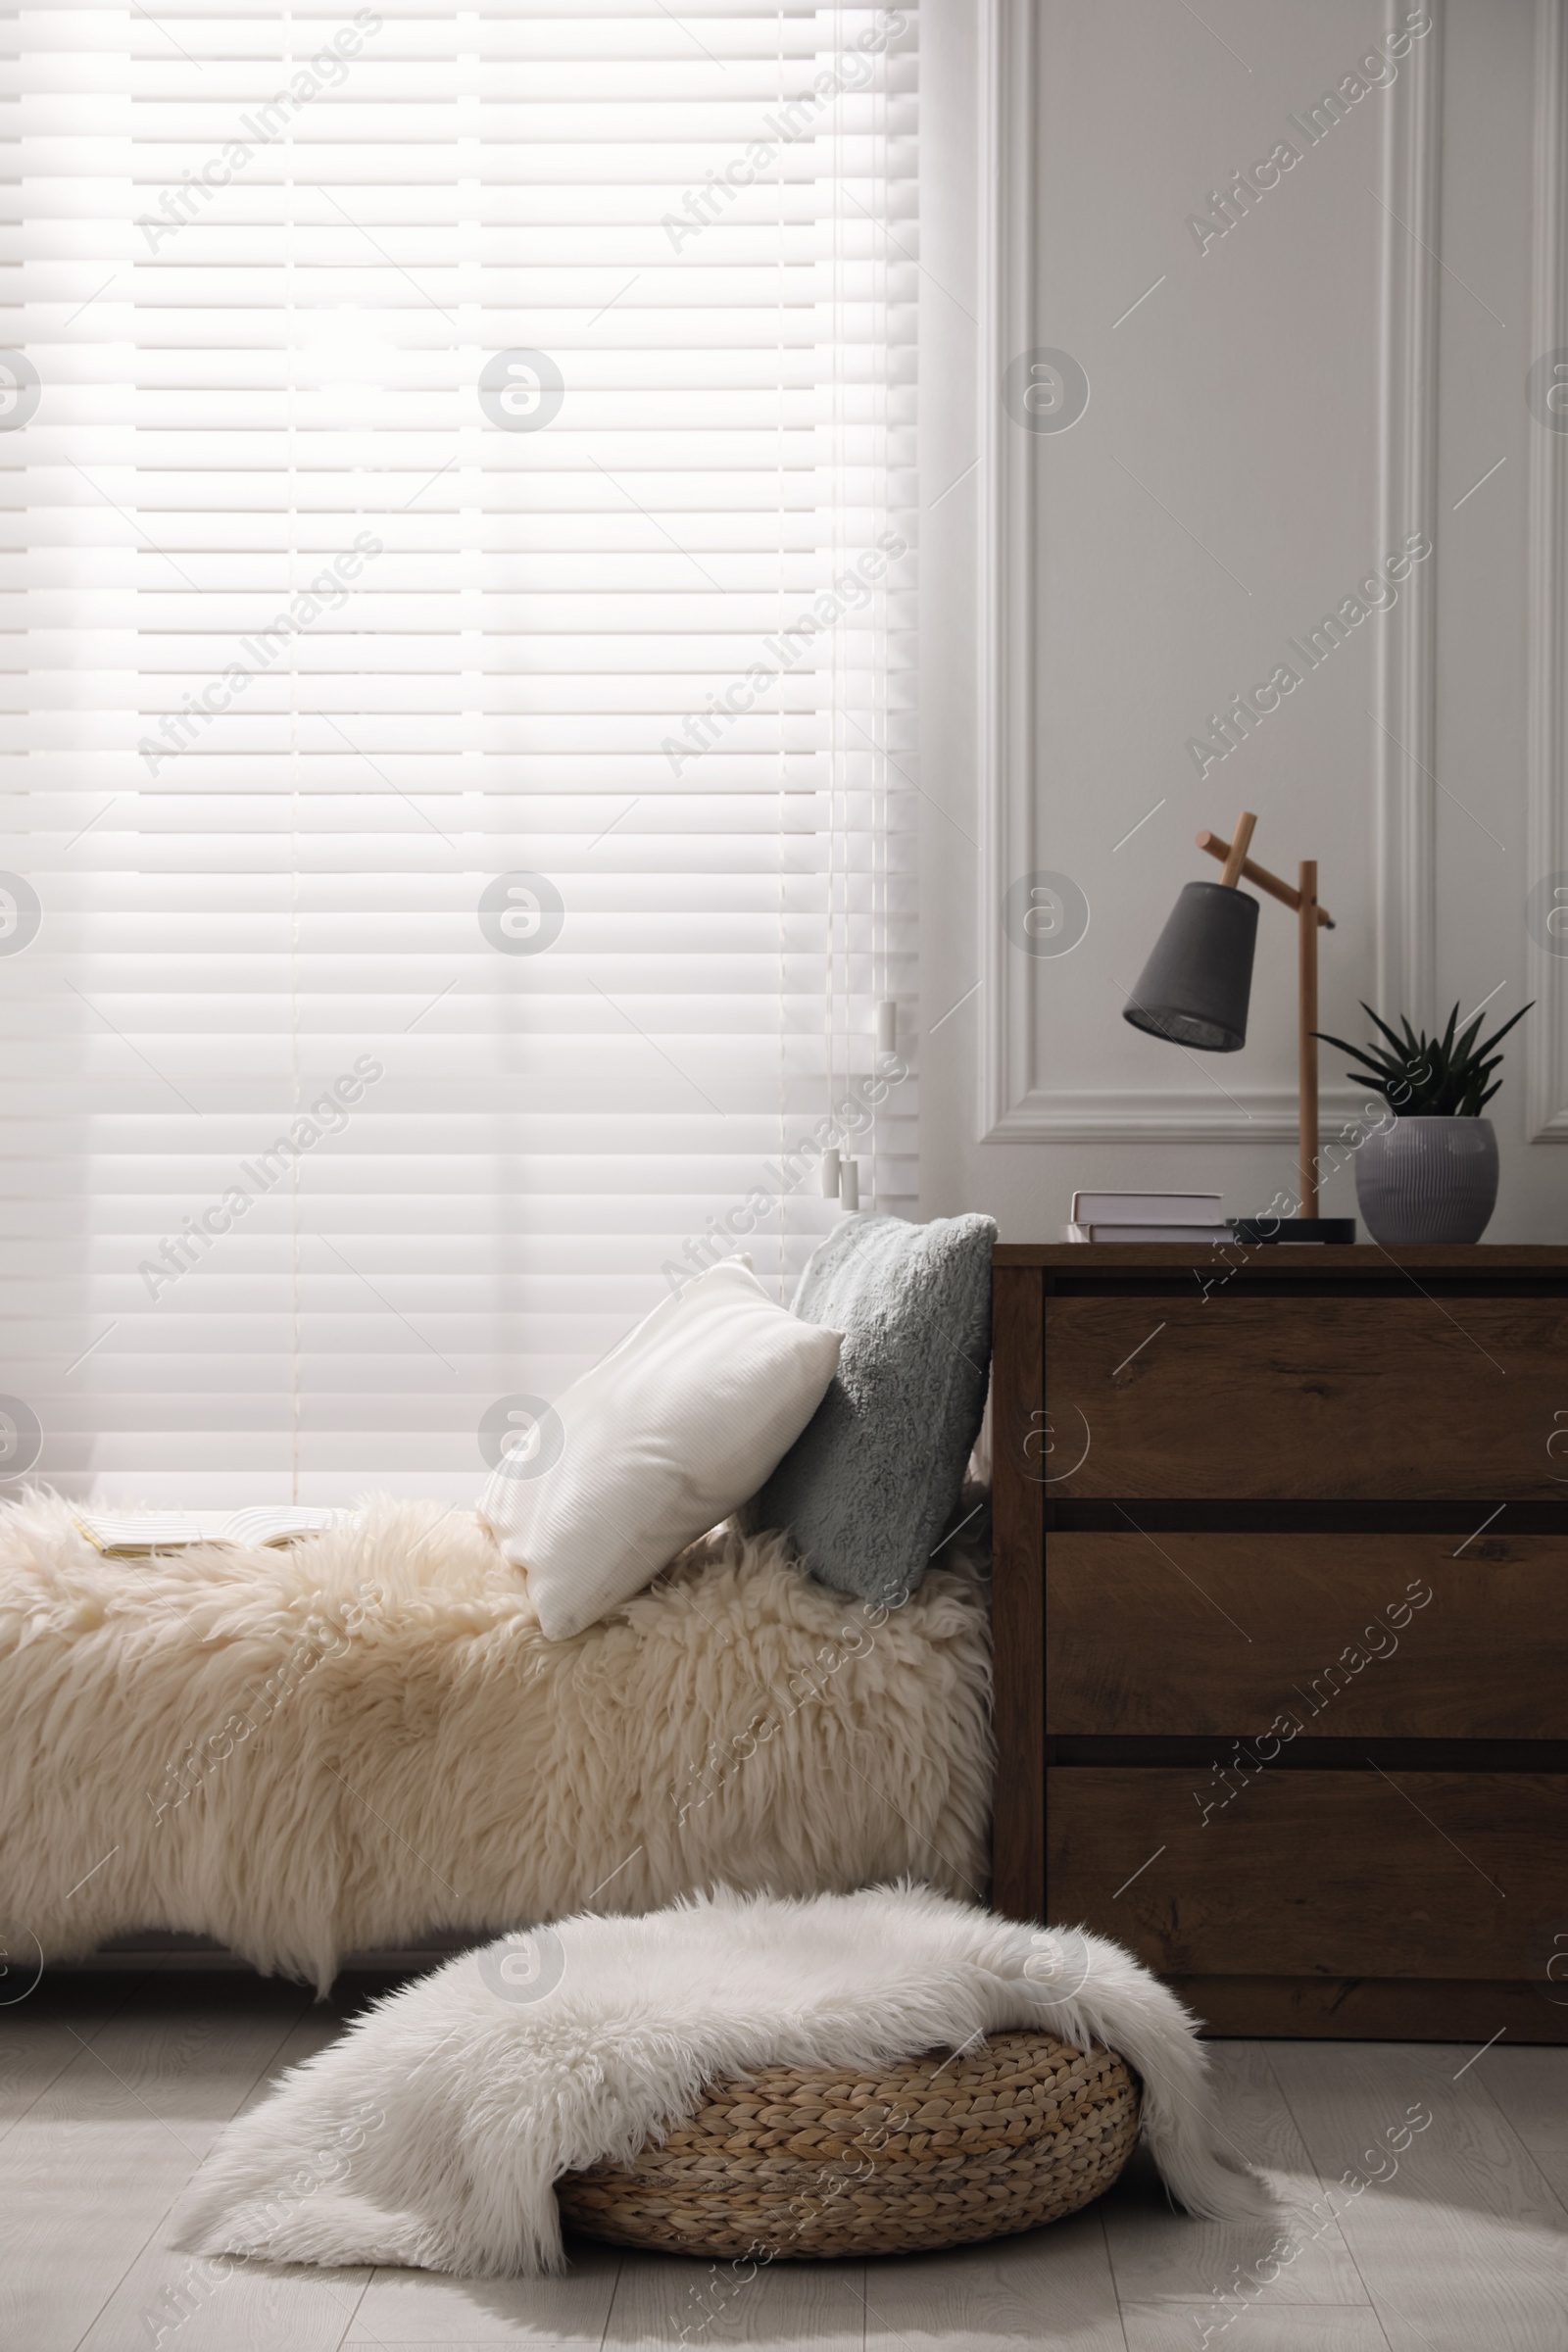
[{"x": 1429, "y": 1172}]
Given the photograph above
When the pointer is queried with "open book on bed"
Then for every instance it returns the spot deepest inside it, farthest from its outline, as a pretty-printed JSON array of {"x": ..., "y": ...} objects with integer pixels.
[{"x": 136, "y": 1534}]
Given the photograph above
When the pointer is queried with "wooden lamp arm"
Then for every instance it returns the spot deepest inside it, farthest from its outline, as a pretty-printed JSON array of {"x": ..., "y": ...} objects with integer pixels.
[
  {"x": 1304, "y": 905},
  {"x": 1218, "y": 847},
  {"x": 1233, "y": 851}
]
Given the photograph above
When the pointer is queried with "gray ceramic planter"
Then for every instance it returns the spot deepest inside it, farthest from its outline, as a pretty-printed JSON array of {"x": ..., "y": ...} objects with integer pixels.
[{"x": 1428, "y": 1180}]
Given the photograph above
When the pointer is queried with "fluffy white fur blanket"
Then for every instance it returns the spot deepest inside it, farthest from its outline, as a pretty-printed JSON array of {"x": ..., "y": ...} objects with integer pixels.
[
  {"x": 432, "y": 2132},
  {"x": 347, "y": 1744}
]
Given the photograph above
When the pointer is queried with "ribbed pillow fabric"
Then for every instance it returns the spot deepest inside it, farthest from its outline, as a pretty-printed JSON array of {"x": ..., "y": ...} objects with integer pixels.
[
  {"x": 662, "y": 1439},
  {"x": 872, "y": 1482}
]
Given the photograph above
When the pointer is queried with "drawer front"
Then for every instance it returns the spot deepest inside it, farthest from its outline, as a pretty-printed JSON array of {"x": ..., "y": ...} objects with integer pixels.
[
  {"x": 1338, "y": 1873},
  {"x": 1341, "y": 1637},
  {"x": 1348, "y": 1397}
]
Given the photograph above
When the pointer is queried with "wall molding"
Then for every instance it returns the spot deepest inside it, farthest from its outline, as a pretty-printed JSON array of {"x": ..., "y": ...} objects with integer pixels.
[
  {"x": 1547, "y": 591},
  {"x": 1239, "y": 1114},
  {"x": 1006, "y": 602},
  {"x": 1012, "y": 1108},
  {"x": 1406, "y": 679}
]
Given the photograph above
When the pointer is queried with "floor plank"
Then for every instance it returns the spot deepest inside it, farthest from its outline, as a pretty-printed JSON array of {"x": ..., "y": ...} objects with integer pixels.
[
  {"x": 42, "y": 2036},
  {"x": 183, "y": 2054},
  {"x": 78, "y": 2200},
  {"x": 222, "y": 2305},
  {"x": 92, "y": 2172},
  {"x": 807, "y": 2306},
  {"x": 1046, "y": 2286},
  {"x": 566, "y": 2314},
  {"x": 316, "y": 2030},
  {"x": 1464, "y": 2244},
  {"x": 225, "y": 2306},
  {"x": 1268, "y": 2327},
  {"x": 110, "y": 2103},
  {"x": 1157, "y": 2251},
  {"x": 1531, "y": 2086}
]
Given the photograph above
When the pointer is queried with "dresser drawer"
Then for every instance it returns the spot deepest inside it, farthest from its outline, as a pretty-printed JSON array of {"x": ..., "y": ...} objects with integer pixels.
[
  {"x": 1301, "y": 1397},
  {"x": 1334, "y": 1874},
  {"x": 1318, "y": 1636}
]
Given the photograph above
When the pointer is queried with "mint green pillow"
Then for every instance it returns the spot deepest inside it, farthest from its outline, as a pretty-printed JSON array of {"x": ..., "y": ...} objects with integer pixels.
[{"x": 873, "y": 1482}]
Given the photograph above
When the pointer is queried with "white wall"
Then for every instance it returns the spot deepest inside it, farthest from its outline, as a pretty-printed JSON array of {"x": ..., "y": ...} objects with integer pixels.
[{"x": 1333, "y": 374}]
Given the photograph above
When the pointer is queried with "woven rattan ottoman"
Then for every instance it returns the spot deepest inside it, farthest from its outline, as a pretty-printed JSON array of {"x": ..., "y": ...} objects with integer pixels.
[{"x": 813, "y": 2162}]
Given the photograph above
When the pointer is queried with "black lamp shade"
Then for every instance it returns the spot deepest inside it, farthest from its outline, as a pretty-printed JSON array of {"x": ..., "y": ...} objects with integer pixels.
[{"x": 1196, "y": 986}]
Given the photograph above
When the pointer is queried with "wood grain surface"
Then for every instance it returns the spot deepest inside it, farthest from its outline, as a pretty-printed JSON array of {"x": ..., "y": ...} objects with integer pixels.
[
  {"x": 1017, "y": 1599},
  {"x": 1237, "y": 1395},
  {"x": 1469, "y": 2009},
  {"x": 1382, "y": 1637},
  {"x": 1462, "y": 2250},
  {"x": 1336, "y": 1874}
]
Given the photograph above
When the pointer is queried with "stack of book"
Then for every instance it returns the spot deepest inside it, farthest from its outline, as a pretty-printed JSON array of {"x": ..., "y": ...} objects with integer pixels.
[
  {"x": 143, "y": 1535},
  {"x": 1147, "y": 1217}
]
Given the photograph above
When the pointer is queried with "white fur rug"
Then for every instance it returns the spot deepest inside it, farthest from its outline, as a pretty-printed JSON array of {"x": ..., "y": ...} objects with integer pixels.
[
  {"x": 347, "y": 1744},
  {"x": 432, "y": 2132}
]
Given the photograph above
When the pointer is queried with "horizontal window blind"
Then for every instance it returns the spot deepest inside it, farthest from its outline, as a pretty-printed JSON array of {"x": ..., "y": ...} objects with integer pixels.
[{"x": 459, "y": 765}]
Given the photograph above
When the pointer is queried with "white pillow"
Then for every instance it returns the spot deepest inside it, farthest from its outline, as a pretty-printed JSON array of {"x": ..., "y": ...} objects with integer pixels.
[{"x": 667, "y": 1434}]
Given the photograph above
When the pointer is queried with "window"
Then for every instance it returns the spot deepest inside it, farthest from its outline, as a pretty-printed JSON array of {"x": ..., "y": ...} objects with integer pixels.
[{"x": 459, "y": 473}]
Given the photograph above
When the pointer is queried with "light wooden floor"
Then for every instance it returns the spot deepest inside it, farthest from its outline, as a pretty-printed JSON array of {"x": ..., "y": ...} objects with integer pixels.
[{"x": 111, "y": 2091}]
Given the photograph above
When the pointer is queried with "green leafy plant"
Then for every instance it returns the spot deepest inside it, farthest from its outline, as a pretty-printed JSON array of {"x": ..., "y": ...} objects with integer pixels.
[{"x": 1429, "y": 1077}]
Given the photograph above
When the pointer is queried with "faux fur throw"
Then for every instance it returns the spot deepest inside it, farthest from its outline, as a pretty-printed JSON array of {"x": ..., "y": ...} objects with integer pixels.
[
  {"x": 349, "y": 1743},
  {"x": 432, "y": 2132}
]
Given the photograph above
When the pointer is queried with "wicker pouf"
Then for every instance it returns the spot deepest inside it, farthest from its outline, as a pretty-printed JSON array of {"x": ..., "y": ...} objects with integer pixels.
[{"x": 811, "y": 2162}]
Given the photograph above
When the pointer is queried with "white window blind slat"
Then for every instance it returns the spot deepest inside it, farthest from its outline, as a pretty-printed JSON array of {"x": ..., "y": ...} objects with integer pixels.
[{"x": 452, "y": 854}]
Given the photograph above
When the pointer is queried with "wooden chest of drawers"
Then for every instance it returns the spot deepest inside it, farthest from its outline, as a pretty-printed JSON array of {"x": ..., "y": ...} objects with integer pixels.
[{"x": 1281, "y": 1614}]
